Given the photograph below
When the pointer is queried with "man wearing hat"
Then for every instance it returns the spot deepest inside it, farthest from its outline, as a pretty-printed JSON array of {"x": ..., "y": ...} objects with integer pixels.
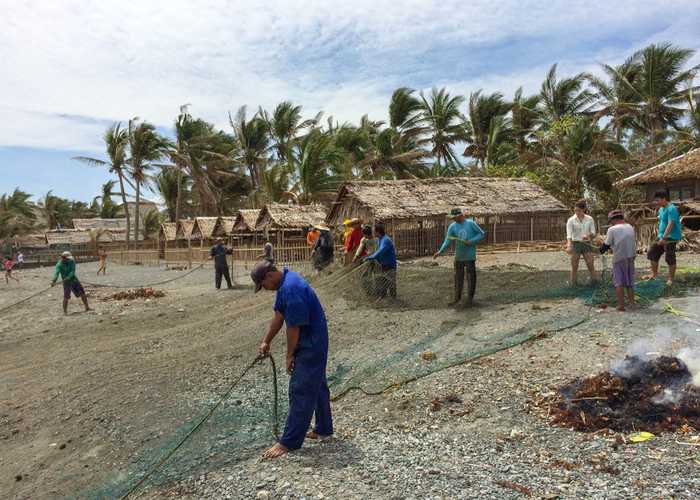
[
  {"x": 297, "y": 305},
  {"x": 621, "y": 238},
  {"x": 322, "y": 252},
  {"x": 219, "y": 252},
  {"x": 352, "y": 242},
  {"x": 65, "y": 268},
  {"x": 465, "y": 233}
]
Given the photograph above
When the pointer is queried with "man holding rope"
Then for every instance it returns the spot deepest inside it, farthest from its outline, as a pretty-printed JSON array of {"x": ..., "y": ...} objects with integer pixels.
[
  {"x": 465, "y": 233},
  {"x": 297, "y": 305},
  {"x": 65, "y": 267}
]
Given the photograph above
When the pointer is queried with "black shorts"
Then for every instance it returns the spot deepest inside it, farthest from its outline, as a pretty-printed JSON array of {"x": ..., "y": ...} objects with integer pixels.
[{"x": 657, "y": 250}]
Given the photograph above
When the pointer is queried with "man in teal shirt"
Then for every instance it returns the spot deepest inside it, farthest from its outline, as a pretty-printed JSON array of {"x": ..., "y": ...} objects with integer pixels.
[
  {"x": 65, "y": 268},
  {"x": 465, "y": 233},
  {"x": 670, "y": 233}
]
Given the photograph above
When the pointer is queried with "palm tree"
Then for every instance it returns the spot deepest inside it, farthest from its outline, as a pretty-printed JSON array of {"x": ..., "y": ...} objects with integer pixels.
[
  {"x": 146, "y": 146},
  {"x": 56, "y": 210},
  {"x": 106, "y": 206},
  {"x": 615, "y": 98},
  {"x": 444, "y": 123},
  {"x": 284, "y": 126},
  {"x": 486, "y": 125},
  {"x": 405, "y": 113},
  {"x": 314, "y": 162},
  {"x": 523, "y": 119},
  {"x": 16, "y": 213},
  {"x": 252, "y": 142},
  {"x": 168, "y": 183},
  {"x": 275, "y": 182},
  {"x": 565, "y": 97},
  {"x": 202, "y": 155},
  {"x": 582, "y": 155},
  {"x": 151, "y": 224},
  {"x": 116, "y": 140},
  {"x": 658, "y": 88}
]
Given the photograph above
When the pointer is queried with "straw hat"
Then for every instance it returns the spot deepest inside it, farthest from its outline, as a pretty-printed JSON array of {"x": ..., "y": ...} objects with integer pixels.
[
  {"x": 322, "y": 227},
  {"x": 354, "y": 221},
  {"x": 67, "y": 254}
]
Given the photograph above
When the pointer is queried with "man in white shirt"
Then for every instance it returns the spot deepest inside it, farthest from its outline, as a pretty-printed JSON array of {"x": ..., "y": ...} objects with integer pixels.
[{"x": 580, "y": 232}]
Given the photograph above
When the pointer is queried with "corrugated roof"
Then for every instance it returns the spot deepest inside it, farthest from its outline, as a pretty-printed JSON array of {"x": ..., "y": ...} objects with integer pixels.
[
  {"x": 413, "y": 198},
  {"x": 685, "y": 166},
  {"x": 281, "y": 216},
  {"x": 246, "y": 219}
]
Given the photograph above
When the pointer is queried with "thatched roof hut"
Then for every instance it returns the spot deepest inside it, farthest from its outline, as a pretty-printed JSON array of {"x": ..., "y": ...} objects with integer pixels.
[
  {"x": 35, "y": 240},
  {"x": 679, "y": 175},
  {"x": 118, "y": 224},
  {"x": 206, "y": 227},
  {"x": 186, "y": 230},
  {"x": 246, "y": 219},
  {"x": 281, "y": 217},
  {"x": 168, "y": 231},
  {"x": 226, "y": 224},
  {"x": 420, "y": 198},
  {"x": 414, "y": 210},
  {"x": 69, "y": 237}
]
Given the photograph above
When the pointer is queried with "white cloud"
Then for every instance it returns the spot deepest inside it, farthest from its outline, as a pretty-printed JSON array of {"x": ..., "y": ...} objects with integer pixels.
[{"x": 111, "y": 60}]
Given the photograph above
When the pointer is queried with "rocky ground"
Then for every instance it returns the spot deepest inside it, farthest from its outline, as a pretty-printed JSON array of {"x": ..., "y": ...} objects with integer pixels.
[{"x": 81, "y": 396}]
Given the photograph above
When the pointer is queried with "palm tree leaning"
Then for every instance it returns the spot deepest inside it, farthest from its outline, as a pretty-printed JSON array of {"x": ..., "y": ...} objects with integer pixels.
[
  {"x": 16, "y": 213},
  {"x": 107, "y": 208},
  {"x": 116, "y": 140},
  {"x": 145, "y": 147},
  {"x": 444, "y": 126}
]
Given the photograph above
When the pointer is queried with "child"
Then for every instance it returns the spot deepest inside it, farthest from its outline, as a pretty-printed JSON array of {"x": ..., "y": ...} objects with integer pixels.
[
  {"x": 8, "y": 270},
  {"x": 622, "y": 240}
]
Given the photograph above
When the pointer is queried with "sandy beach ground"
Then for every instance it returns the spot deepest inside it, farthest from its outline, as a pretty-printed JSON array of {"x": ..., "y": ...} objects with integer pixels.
[{"x": 88, "y": 401}]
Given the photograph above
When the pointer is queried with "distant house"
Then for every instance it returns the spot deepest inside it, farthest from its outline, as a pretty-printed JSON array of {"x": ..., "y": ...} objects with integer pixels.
[
  {"x": 679, "y": 175},
  {"x": 415, "y": 210},
  {"x": 167, "y": 234},
  {"x": 288, "y": 222}
]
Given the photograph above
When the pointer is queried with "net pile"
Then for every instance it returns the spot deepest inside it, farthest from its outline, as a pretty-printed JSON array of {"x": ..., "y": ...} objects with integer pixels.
[{"x": 376, "y": 343}]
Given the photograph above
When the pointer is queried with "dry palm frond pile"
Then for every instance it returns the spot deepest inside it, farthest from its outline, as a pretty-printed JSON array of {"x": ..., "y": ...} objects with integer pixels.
[
  {"x": 137, "y": 293},
  {"x": 651, "y": 395}
]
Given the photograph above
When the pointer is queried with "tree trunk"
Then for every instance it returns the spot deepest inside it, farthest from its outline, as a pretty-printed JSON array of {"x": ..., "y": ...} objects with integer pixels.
[
  {"x": 137, "y": 235},
  {"x": 178, "y": 200},
  {"x": 126, "y": 208}
]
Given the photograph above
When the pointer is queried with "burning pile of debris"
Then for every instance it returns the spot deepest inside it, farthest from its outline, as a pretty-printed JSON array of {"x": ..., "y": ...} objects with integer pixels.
[
  {"x": 653, "y": 395},
  {"x": 138, "y": 293}
]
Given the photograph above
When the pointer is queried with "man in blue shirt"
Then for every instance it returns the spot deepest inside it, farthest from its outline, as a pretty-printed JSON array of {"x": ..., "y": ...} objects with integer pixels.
[
  {"x": 670, "y": 233},
  {"x": 218, "y": 253},
  {"x": 464, "y": 233},
  {"x": 385, "y": 255},
  {"x": 297, "y": 305}
]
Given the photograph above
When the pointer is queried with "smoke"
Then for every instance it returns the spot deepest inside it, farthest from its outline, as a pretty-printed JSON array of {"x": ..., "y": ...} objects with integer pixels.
[
  {"x": 691, "y": 357},
  {"x": 678, "y": 342}
]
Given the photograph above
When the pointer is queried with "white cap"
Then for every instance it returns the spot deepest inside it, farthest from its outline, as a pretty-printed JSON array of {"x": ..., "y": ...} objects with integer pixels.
[{"x": 66, "y": 254}]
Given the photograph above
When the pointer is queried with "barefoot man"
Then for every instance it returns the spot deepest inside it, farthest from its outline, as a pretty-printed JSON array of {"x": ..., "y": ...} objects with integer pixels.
[
  {"x": 670, "y": 233},
  {"x": 65, "y": 267},
  {"x": 298, "y": 306}
]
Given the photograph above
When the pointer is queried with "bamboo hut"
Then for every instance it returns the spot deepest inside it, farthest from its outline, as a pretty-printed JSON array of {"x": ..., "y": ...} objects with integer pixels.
[
  {"x": 187, "y": 232},
  {"x": 284, "y": 224},
  {"x": 243, "y": 232},
  {"x": 167, "y": 235},
  {"x": 78, "y": 238},
  {"x": 208, "y": 228},
  {"x": 680, "y": 176},
  {"x": 415, "y": 210},
  {"x": 35, "y": 241}
]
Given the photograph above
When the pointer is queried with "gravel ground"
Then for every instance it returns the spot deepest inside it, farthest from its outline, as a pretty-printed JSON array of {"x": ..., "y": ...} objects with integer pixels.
[{"x": 109, "y": 384}]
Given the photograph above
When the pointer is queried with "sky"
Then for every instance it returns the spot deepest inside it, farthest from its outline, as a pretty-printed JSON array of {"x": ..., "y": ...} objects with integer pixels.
[{"x": 71, "y": 68}]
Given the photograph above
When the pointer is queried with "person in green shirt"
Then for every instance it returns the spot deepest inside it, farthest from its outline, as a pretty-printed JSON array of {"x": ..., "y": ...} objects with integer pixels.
[
  {"x": 65, "y": 268},
  {"x": 670, "y": 233},
  {"x": 464, "y": 233}
]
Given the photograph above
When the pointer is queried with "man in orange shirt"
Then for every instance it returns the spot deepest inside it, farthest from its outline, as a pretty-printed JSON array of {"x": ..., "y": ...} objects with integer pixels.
[{"x": 312, "y": 234}]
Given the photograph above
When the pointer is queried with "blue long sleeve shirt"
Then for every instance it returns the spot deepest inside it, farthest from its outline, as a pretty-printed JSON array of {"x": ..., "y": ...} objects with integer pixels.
[
  {"x": 467, "y": 230},
  {"x": 385, "y": 254}
]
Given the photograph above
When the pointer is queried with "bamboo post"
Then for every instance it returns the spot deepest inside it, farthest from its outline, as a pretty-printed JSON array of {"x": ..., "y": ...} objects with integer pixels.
[{"x": 532, "y": 228}]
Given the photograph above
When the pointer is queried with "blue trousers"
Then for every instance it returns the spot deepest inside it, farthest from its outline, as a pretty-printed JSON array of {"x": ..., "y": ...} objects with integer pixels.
[{"x": 308, "y": 396}]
